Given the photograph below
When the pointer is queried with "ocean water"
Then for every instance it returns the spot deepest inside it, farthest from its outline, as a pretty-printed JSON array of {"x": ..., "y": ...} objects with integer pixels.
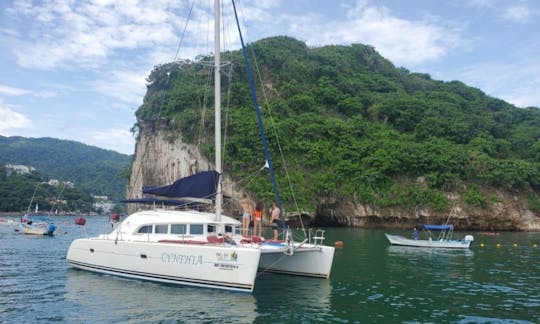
[{"x": 496, "y": 281}]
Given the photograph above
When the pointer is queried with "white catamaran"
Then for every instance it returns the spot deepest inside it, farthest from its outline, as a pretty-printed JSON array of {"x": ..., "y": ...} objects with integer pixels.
[{"x": 196, "y": 248}]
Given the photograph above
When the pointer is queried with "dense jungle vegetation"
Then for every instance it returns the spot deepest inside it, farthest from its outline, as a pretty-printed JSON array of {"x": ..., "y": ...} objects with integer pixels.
[{"x": 350, "y": 124}]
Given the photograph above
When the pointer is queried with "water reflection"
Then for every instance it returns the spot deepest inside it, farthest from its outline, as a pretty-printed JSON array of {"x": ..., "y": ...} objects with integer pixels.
[
  {"x": 293, "y": 299},
  {"x": 275, "y": 298},
  {"x": 396, "y": 250},
  {"x": 117, "y": 299}
]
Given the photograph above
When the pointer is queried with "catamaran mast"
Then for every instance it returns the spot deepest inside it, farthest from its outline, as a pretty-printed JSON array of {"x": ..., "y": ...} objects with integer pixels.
[
  {"x": 217, "y": 107},
  {"x": 259, "y": 119}
]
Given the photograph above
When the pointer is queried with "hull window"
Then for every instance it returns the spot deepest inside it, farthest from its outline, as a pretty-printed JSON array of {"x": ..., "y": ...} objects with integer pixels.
[
  {"x": 161, "y": 229},
  {"x": 178, "y": 229},
  {"x": 145, "y": 229},
  {"x": 196, "y": 229}
]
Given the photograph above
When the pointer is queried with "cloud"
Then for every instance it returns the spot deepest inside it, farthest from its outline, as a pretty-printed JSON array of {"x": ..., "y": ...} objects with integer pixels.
[
  {"x": 519, "y": 14},
  {"x": 11, "y": 91},
  {"x": 119, "y": 140},
  {"x": 89, "y": 33},
  {"x": 404, "y": 42},
  {"x": 516, "y": 82},
  {"x": 126, "y": 86},
  {"x": 11, "y": 120}
]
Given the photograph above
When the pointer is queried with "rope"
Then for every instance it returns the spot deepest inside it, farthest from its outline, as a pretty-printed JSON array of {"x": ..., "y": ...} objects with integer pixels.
[
  {"x": 274, "y": 133},
  {"x": 139, "y": 171}
]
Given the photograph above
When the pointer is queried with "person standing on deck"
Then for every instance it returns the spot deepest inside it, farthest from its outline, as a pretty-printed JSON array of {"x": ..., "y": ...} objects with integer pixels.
[
  {"x": 246, "y": 215},
  {"x": 275, "y": 219},
  {"x": 257, "y": 219}
]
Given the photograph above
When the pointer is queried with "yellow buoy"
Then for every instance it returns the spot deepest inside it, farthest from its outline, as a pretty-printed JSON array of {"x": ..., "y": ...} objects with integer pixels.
[
  {"x": 535, "y": 245},
  {"x": 481, "y": 244},
  {"x": 515, "y": 244},
  {"x": 498, "y": 245},
  {"x": 338, "y": 244}
]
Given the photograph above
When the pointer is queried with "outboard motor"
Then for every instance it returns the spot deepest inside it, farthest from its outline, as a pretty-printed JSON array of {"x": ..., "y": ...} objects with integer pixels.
[
  {"x": 469, "y": 238},
  {"x": 50, "y": 229}
]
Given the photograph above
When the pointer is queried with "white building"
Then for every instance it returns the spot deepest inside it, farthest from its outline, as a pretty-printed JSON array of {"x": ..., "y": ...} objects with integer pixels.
[{"x": 19, "y": 169}]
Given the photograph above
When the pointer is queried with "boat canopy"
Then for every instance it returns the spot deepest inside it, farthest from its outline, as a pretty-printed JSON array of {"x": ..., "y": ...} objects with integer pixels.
[
  {"x": 438, "y": 227},
  {"x": 200, "y": 185},
  {"x": 151, "y": 200}
]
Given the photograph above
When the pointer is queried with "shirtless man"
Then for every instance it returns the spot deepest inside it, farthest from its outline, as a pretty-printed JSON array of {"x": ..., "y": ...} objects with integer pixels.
[
  {"x": 246, "y": 215},
  {"x": 275, "y": 219}
]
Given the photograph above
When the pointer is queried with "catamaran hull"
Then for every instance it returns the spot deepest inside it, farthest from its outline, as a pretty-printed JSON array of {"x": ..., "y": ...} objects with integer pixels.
[
  {"x": 311, "y": 261},
  {"x": 221, "y": 267},
  {"x": 451, "y": 244}
]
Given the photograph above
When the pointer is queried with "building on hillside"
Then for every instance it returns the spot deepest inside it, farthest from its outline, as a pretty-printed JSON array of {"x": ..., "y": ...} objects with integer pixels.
[
  {"x": 58, "y": 183},
  {"x": 102, "y": 204},
  {"x": 19, "y": 169}
]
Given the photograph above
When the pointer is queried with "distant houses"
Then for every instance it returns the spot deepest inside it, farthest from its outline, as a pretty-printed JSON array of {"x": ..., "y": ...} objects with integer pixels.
[
  {"x": 18, "y": 169},
  {"x": 102, "y": 204},
  {"x": 26, "y": 169},
  {"x": 58, "y": 183}
]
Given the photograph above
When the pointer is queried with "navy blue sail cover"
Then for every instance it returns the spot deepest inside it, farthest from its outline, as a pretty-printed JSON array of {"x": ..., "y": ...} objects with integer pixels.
[
  {"x": 200, "y": 185},
  {"x": 438, "y": 227},
  {"x": 151, "y": 200}
]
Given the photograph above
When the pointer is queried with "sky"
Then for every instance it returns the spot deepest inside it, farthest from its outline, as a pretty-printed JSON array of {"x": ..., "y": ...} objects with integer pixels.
[{"x": 76, "y": 69}]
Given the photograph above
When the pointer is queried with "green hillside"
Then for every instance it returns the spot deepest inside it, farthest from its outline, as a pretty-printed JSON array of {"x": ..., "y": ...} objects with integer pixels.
[
  {"x": 17, "y": 190},
  {"x": 352, "y": 125},
  {"x": 91, "y": 169}
]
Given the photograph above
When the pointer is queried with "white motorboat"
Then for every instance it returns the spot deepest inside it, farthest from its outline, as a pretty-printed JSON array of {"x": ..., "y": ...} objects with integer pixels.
[
  {"x": 444, "y": 239},
  {"x": 37, "y": 225}
]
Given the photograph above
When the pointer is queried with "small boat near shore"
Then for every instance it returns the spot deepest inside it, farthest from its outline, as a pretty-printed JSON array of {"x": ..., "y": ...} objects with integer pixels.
[
  {"x": 443, "y": 240},
  {"x": 37, "y": 225}
]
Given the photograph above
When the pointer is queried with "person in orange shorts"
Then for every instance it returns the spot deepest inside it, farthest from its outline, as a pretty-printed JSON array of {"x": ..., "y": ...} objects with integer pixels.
[{"x": 257, "y": 219}]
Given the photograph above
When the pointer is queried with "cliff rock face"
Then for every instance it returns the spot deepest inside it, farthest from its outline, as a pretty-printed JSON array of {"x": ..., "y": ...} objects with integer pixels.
[
  {"x": 162, "y": 158},
  {"x": 509, "y": 213}
]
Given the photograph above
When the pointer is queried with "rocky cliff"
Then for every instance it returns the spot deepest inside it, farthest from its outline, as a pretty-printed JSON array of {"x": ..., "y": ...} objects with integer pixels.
[
  {"x": 508, "y": 213},
  {"x": 162, "y": 157}
]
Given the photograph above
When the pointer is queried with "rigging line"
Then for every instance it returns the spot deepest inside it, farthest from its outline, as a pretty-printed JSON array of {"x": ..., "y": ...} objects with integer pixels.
[
  {"x": 204, "y": 106},
  {"x": 270, "y": 266},
  {"x": 278, "y": 142},
  {"x": 32, "y": 199},
  {"x": 259, "y": 120},
  {"x": 250, "y": 180},
  {"x": 56, "y": 200},
  {"x": 145, "y": 154},
  {"x": 188, "y": 18},
  {"x": 184, "y": 31}
]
